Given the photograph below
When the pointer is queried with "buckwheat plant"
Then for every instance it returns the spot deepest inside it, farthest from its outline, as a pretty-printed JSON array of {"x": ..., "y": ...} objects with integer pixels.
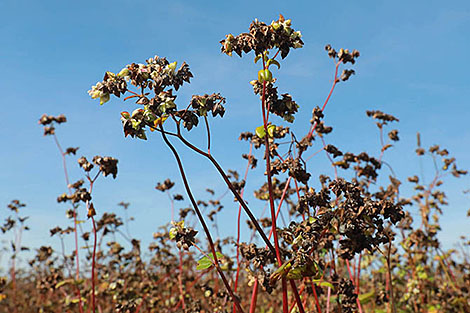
[
  {"x": 331, "y": 233},
  {"x": 78, "y": 193}
]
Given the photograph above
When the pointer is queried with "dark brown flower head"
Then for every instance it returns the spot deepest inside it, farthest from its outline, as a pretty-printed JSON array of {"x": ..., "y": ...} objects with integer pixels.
[
  {"x": 166, "y": 185},
  {"x": 83, "y": 162},
  {"x": 184, "y": 236},
  {"x": 393, "y": 135},
  {"x": 208, "y": 103},
  {"x": 48, "y": 122},
  {"x": 49, "y": 130},
  {"x": 107, "y": 165},
  {"x": 333, "y": 150},
  {"x": 344, "y": 55},
  {"x": 382, "y": 117},
  {"x": 261, "y": 37},
  {"x": 346, "y": 74},
  {"x": 49, "y": 119},
  {"x": 71, "y": 150},
  {"x": 283, "y": 106}
]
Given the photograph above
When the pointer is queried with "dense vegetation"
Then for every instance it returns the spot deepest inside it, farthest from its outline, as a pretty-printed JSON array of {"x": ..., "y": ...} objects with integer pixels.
[{"x": 349, "y": 243}]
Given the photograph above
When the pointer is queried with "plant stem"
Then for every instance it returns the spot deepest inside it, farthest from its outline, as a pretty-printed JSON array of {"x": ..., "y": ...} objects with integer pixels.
[
  {"x": 389, "y": 270},
  {"x": 230, "y": 186},
  {"x": 336, "y": 80},
  {"x": 254, "y": 297},
  {"x": 285, "y": 307},
  {"x": 238, "y": 227},
  {"x": 180, "y": 279},
  {"x": 201, "y": 220},
  {"x": 351, "y": 277},
  {"x": 93, "y": 257},
  {"x": 77, "y": 273},
  {"x": 93, "y": 265},
  {"x": 208, "y": 135}
]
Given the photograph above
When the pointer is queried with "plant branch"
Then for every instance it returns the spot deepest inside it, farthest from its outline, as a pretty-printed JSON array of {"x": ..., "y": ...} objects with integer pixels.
[{"x": 201, "y": 220}]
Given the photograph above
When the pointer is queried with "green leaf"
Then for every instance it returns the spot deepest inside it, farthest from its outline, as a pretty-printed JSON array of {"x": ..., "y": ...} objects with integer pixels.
[
  {"x": 203, "y": 263},
  {"x": 64, "y": 282},
  {"x": 322, "y": 283},
  {"x": 78, "y": 282},
  {"x": 273, "y": 62},
  {"x": 366, "y": 297},
  {"x": 207, "y": 262},
  {"x": 281, "y": 272},
  {"x": 271, "y": 129},
  {"x": 173, "y": 232},
  {"x": 295, "y": 273},
  {"x": 260, "y": 132},
  {"x": 104, "y": 98}
]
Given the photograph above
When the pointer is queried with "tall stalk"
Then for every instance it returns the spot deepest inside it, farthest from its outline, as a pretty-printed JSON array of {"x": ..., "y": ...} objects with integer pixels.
[
  {"x": 201, "y": 220},
  {"x": 75, "y": 222}
]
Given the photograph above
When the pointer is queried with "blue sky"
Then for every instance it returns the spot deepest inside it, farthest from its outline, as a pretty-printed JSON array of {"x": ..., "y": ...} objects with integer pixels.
[{"x": 413, "y": 65}]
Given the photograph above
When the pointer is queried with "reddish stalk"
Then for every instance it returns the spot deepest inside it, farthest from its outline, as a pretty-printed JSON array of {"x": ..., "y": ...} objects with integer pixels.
[
  {"x": 137, "y": 310},
  {"x": 285, "y": 307},
  {"x": 180, "y": 280},
  {"x": 254, "y": 297},
  {"x": 293, "y": 303},
  {"x": 317, "y": 302},
  {"x": 255, "y": 286},
  {"x": 93, "y": 266},
  {"x": 351, "y": 277},
  {"x": 316, "y": 297},
  {"x": 358, "y": 276},
  {"x": 297, "y": 191},
  {"x": 93, "y": 257},
  {"x": 238, "y": 227},
  {"x": 265, "y": 111},
  {"x": 336, "y": 80},
  {"x": 77, "y": 272},
  {"x": 389, "y": 270}
]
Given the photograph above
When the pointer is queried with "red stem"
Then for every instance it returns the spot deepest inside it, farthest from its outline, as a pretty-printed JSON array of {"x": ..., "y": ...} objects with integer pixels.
[
  {"x": 180, "y": 279},
  {"x": 285, "y": 307},
  {"x": 265, "y": 111},
  {"x": 77, "y": 272},
  {"x": 93, "y": 258},
  {"x": 352, "y": 279},
  {"x": 293, "y": 303},
  {"x": 358, "y": 276},
  {"x": 327, "y": 98},
  {"x": 316, "y": 297},
  {"x": 93, "y": 265},
  {"x": 254, "y": 297},
  {"x": 238, "y": 227}
]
